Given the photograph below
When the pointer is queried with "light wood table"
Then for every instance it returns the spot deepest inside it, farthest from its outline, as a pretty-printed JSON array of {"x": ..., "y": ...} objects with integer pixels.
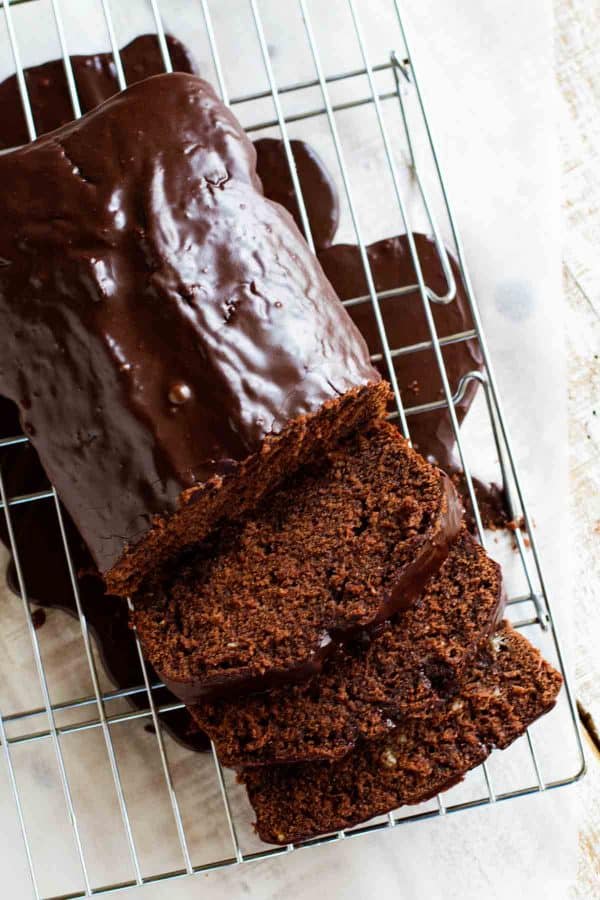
[{"x": 578, "y": 73}]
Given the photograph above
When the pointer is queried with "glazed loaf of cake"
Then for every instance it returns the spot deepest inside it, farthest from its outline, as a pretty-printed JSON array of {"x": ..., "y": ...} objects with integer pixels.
[
  {"x": 172, "y": 345},
  {"x": 96, "y": 79}
]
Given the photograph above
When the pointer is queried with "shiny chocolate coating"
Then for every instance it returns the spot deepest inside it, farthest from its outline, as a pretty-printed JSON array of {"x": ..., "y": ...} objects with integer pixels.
[
  {"x": 418, "y": 375},
  {"x": 96, "y": 80},
  {"x": 319, "y": 190},
  {"x": 38, "y": 538},
  {"x": 138, "y": 252}
]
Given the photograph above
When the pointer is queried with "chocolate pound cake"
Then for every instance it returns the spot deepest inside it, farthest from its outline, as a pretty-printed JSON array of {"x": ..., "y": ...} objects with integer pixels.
[
  {"x": 344, "y": 544},
  {"x": 172, "y": 345},
  {"x": 508, "y": 688},
  {"x": 409, "y": 667}
]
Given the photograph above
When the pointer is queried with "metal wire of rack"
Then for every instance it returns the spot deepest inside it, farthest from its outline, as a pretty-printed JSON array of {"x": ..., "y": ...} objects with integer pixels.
[{"x": 400, "y": 66}]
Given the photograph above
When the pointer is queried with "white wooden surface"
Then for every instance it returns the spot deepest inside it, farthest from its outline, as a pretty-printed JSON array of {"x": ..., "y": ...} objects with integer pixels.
[{"x": 578, "y": 73}]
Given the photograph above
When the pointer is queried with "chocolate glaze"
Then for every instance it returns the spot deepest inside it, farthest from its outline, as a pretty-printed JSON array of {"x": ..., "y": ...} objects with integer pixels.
[
  {"x": 318, "y": 188},
  {"x": 417, "y": 373},
  {"x": 96, "y": 80},
  {"x": 48, "y": 582},
  {"x": 122, "y": 212},
  {"x": 408, "y": 586}
]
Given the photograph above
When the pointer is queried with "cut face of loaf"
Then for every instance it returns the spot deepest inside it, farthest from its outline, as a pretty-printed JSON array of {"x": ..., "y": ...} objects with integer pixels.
[
  {"x": 172, "y": 344},
  {"x": 509, "y": 687},
  {"x": 340, "y": 547},
  {"x": 409, "y": 667}
]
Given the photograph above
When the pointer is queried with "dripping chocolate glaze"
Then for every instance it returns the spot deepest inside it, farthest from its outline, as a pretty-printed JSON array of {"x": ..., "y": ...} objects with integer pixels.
[
  {"x": 48, "y": 583},
  {"x": 96, "y": 80},
  {"x": 318, "y": 188},
  {"x": 38, "y": 539}
]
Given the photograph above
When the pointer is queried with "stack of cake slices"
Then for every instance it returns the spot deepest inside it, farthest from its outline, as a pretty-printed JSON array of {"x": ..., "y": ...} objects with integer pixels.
[
  {"x": 343, "y": 645},
  {"x": 211, "y": 419}
]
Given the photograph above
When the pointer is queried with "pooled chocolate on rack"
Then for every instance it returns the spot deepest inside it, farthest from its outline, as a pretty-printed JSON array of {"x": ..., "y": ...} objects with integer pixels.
[{"x": 95, "y": 78}]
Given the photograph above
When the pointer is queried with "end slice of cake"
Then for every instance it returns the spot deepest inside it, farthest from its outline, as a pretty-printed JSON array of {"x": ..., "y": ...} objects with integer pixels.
[{"x": 509, "y": 687}]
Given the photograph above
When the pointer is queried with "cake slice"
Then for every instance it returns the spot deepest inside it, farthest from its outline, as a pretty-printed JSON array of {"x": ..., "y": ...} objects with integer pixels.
[
  {"x": 508, "y": 688},
  {"x": 342, "y": 546},
  {"x": 411, "y": 665},
  {"x": 172, "y": 344}
]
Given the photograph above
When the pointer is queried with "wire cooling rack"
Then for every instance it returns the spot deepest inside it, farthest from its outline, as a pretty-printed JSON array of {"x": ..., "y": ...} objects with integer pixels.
[{"x": 193, "y": 787}]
